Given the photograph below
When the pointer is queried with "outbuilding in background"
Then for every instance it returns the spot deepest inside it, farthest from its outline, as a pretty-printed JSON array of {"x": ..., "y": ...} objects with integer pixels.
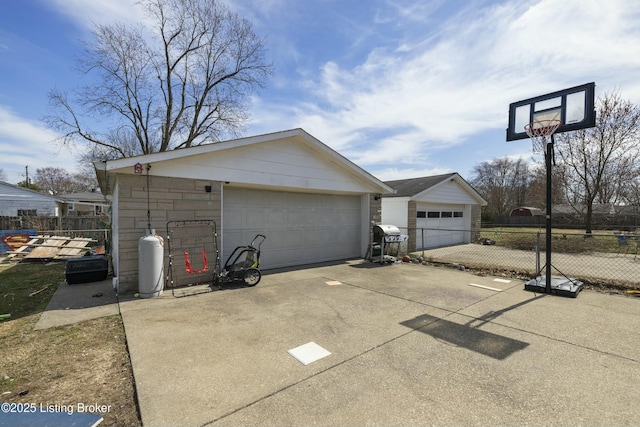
[{"x": 435, "y": 211}]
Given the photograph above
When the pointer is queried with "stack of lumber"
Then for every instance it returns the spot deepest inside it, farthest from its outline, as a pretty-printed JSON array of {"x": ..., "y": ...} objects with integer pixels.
[{"x": 51, "y": 247}]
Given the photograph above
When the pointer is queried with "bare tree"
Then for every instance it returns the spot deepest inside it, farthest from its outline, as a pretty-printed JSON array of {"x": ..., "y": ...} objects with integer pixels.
[
  {"x": 53, "y": 180},
  {"x": 599, "y": 163},
  {"x": 84, "y": 181},
  {"x": 503, "y": 183},
  {"x": 184, "y": 81},
  {"x": 632, "y": 191},
  {"x": 537, "y": 186},
  {"x": 3, "y": 176},
  {"x": 59, "y": 181}
]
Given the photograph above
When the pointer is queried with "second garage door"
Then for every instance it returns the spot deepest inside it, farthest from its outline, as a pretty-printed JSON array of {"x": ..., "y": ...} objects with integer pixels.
[
  {"x": 301, "y": 228},
  {"x": 440, "y": 225}
]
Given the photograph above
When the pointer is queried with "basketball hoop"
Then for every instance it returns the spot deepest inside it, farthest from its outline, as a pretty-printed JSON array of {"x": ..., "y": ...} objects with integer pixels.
[
  {"x": 556, "y": 112},
  {"x": 539, "y": 131}
]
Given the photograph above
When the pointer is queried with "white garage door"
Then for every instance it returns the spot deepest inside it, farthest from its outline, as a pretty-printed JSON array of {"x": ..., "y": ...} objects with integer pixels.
[
  {"x": 301, "y": 228},
  {"x": 440, "y": 225}
]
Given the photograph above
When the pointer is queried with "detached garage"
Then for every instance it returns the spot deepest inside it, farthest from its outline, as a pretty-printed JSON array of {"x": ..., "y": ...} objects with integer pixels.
[
  {"x": 312, "y": 203},
  {"x": 435, "y": 211}
]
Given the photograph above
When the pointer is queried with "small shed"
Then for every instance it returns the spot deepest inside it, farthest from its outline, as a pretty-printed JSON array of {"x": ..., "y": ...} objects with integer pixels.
[
  {"x": 527, "y": 211},
  {"x": 435, "y": 211}
]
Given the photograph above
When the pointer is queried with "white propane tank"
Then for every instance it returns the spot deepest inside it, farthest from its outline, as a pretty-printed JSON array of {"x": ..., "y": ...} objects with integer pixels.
[{"x": 150, "y": 265}]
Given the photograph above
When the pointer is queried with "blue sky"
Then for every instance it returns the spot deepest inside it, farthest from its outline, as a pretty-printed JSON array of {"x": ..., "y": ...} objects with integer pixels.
[{"x": 403, "y": 88}]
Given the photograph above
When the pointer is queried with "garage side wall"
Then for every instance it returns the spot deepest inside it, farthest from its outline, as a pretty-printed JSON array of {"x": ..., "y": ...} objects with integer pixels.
[
  {"x": 375, "y": 208},
  {"x": 412, "y": 218},
  {"x": 394, "y": 211},
  {"x": 170, "y": 199}
]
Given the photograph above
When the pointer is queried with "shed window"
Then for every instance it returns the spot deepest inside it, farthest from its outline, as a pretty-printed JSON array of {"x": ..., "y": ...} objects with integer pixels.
[
  {"x": 458, "y": 214},
  {"x": 422, "y": 214},
  {"x": 447, "y": 214},
  {"x": 433, "y": 214},
  {"x": 27, "y": 212}
]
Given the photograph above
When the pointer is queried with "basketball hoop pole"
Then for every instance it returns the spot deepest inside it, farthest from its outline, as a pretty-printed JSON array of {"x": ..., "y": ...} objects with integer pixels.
[
  {"x": 538, "y": 132},
  {"x": 541, "y": 133},
  {"x": 548, "y": 154},
  {"x": 539, "y": 118}
]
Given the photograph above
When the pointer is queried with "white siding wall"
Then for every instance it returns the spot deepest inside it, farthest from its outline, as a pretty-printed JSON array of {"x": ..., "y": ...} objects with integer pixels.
[
  {"x": 394, "y": 211},
  {"x": 42, "y": 207},
  {"x": 13, "y": 199},
  {"x": 278, "y": 165},
  {"x": 447, "y": 192}
]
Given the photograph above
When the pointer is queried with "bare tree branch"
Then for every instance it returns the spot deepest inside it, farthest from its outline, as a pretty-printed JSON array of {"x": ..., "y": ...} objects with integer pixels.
[
  {"x": 600, "y": 163},
  {"x": 181, "y": 82},
  {"x": 503, "y": 182}
]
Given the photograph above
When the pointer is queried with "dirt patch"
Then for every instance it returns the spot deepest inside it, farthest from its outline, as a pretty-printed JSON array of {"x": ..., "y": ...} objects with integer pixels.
[
  {"x": 82, "y": 364},
  {"x": 86, "y": 363}
]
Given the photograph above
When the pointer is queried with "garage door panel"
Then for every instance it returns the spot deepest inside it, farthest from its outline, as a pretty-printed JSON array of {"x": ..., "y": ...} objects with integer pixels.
[
  {"x": 443, "y": 231},
  {"x": 301, "y": 228},
  {"x": 276, "y": 217},
  {"x": 296, "y": 238},
  {"x": 255, "y": 218},
  {"x": 234, "y": 218},
  {"x": 300, "y": 217}
]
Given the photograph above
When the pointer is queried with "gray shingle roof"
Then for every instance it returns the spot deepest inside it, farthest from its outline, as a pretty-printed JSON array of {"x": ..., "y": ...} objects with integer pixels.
[
  {"x": 13, "y": 192},
  {"x": 412, "y": 186}
]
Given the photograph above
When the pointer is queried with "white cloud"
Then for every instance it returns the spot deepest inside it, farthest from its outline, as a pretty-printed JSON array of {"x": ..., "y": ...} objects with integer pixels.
[
  {"x": 88, "y": 13},
  {"x": 430, "y": 93},
  {"x": 434, "y": 73},
  {"x": 401, "y": 11},
  {"x": 26, "y": 143}
]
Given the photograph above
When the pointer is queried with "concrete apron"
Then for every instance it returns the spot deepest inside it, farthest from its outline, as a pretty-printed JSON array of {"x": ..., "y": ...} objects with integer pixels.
[{"x": 409, "y": 345}]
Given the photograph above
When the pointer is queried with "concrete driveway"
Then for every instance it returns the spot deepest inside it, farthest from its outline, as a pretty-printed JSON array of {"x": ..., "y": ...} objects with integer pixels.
[{"x": 410, "y": 345}]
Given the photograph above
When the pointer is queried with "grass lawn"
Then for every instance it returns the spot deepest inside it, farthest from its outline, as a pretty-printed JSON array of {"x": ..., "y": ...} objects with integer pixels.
[
  {"x": 86, "y": 363},
  {"x": 563, "y": 240},
  {"x": 26, "y": 288}
]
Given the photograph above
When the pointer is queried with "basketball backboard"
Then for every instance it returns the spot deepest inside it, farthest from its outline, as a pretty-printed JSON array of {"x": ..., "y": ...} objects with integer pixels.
[{"x": 574, "y": 107}]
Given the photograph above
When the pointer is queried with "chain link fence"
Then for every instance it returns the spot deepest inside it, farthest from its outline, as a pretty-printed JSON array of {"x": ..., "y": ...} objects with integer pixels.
[{"x": 607, "y": 259}]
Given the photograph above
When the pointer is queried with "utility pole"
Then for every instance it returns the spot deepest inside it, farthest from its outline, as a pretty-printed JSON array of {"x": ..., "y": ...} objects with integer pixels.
[{"x": 26, "y": 181}]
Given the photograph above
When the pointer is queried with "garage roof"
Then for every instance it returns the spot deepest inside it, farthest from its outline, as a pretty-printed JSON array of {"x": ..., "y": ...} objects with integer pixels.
[
  {"x": 291, "y": 158},
  {"x": 414, "y": 187},
  {"x": 10, "y": 192}
]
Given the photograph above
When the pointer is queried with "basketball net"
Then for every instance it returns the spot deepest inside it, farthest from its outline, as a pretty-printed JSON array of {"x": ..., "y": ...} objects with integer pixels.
[{"x": 539, "y": 131}]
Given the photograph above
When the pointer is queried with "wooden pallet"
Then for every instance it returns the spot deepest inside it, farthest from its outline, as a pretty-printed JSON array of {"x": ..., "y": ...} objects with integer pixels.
[
  {"x": 52, "y": 247},
  {"x": 22, "y": 250}
]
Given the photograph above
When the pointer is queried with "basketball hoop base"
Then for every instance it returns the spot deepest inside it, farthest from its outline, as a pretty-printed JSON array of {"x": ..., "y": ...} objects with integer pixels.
[{"x": 559, "y": 286}]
